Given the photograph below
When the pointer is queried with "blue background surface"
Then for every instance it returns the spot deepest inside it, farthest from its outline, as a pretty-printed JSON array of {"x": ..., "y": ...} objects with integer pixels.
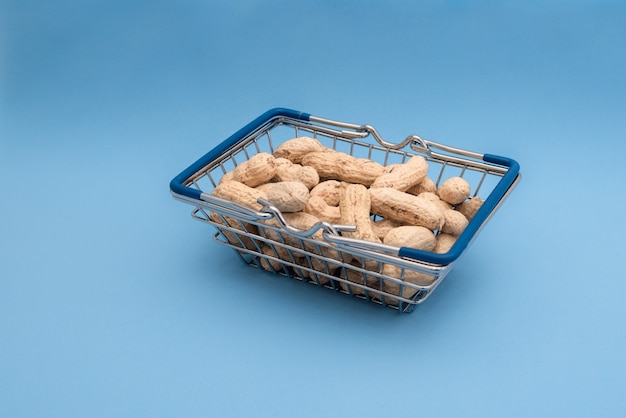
[{"x": 114, "y": 302}]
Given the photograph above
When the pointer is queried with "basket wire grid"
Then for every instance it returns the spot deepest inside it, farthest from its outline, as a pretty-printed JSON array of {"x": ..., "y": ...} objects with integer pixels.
[{"x": 321, "y": 255}]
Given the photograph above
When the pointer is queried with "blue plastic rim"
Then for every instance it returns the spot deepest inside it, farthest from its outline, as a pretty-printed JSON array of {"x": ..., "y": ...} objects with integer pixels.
[{"x": 498, "y": 193}]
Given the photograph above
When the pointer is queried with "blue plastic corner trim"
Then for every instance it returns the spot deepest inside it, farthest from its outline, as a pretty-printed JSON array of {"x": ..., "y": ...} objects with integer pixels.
[
  {"x": 177, "y": 183},
  {"x": 496, "y": 195}
]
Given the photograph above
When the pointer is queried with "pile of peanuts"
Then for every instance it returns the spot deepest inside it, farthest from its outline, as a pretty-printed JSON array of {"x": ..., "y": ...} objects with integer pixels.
[{"x": 309, "y": 182}]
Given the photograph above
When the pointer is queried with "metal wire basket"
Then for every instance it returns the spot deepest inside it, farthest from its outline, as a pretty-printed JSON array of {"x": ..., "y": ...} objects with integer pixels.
[{"x": 322, "y": 255}]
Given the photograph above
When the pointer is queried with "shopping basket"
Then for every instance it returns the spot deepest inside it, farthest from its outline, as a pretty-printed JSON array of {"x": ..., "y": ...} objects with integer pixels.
[{"x": 322, "y": 255}]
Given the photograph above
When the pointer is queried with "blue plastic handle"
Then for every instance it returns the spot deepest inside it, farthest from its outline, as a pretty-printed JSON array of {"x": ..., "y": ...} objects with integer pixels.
[
  {"x": 481, "y": 216},
  {"x": 177, "y": 185}
]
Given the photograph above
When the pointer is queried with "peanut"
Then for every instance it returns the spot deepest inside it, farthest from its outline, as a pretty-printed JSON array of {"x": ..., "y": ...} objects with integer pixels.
[
  {"x": 330, "y": 191},
  {"x": 234, "y": 238},
  {"x": 403, "y": 176},
  {"x": 417, "y": 237},
  {"x": 239, "y": 193},
  {"x": 289, "y": 171},
  {"x": 318, "y": 207},
  {"x": 265, "y": 187},
  {"x": 444, "y": 243},
  {"x": 454, "y": 222},
  {"x": 288, "y": 196},
  {"x": 470, "y": 207},
  {"x": 426, "y": 185},
  {"x": 356, "y": 276},
  {"x": 312, "y": 276},
  {"x": 405, "y": 208},
  {"x": 303, "y": 221},
  {"x": 341, "y": 166},
  {"x": 259, "y": 169},
  {"x": 410, "y": 276},
  {"x": 296, "y": 148},
  {"x": 273, "y": 251},
  {"x": 434, "y": 198},
  {"x": 389, "y": 168},
  {"x": 323, "y": 266},
  {"x": 383, "y": 226},
  {"x": 355, "y": 210},
  {"x": 284, "y": 237},
  {"x": 228, "y": 176},
  {"x": 324, "y": 199},
  {"x": 454, "y": 190}
]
